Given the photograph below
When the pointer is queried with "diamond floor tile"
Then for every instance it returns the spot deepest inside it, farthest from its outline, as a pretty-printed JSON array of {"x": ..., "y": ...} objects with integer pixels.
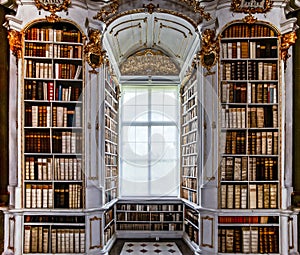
[{"x": 150, "y": 248}]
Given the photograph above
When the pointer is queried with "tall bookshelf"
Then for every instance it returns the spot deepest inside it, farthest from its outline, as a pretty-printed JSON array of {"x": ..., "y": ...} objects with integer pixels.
[
  {"x": 249, "y": 119},
  {"x": 189, "y": 140},
  {"x": 52, "y": 139},
  {"x": 111, "y": 137}
]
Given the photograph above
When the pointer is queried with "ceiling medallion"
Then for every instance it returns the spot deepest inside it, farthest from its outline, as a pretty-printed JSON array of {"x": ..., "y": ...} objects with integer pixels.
[
  {"x": 53, "y": 6},
  {"x": 94, "y": 54},
  {"x": 251, "y": 6},
  {"x": 286, "y": 41},
  {"x": 209, "y": 52},
  {"x": 15, "y": 42}
]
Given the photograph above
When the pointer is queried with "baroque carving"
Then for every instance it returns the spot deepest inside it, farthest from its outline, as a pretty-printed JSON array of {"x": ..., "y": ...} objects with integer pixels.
[
  {"x": 149, "y": 62},
  {"x": 286, "y": 41},
  {"x": 251, "y": 6},
  {"x": 15, "y": 42},
  {"x": 53, "y": 6},
  {"x": 94, "y": 54},
  {"x": 107, "y": 11},
  {"x": 209, "y": 52}
]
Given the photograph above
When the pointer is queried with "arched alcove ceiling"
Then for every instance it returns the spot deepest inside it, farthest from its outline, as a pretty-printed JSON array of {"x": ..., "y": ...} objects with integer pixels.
[{"x": 164, "y": 27}]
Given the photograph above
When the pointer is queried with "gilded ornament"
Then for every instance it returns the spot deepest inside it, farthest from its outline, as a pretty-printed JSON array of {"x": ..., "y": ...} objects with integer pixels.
[
  {"x": 15, "y": 42},
  {"x": 53, "y": 6},
  {"x": 209, "y": 52},
  {"x": 249, "y": 19},
  {"x": 107, "y": 11},
  {"x": 251, "y": 6},
  {"x": 286, "y": 41},
  {"x": 94, "y": 54}
]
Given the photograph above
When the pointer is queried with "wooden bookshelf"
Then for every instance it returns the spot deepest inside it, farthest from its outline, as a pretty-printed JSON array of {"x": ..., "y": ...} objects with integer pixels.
[
  {"x": 109, "y": 226},
  {"x": 249, "y": 120},
  {"x": 189, "y": 140},
  {"x": 146, "y": 217},
  {"x": 53, "y": 140},
  {"x": 191, "y": 224}
]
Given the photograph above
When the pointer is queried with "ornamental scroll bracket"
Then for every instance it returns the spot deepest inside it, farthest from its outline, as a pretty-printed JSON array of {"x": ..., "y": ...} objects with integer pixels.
[
  {"x": 107, "y": 11},
  {"x": 286, "y": 41},
  {"x": 209, "y": 53},
  {"x": 94, "y": 54},
  {"x": 15, "y": 42},
  {"x": 53, "y": 6}
]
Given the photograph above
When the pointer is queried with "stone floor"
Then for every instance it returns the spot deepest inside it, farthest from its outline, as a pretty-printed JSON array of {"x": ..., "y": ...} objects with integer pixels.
[{"x": 145, "y": 247}]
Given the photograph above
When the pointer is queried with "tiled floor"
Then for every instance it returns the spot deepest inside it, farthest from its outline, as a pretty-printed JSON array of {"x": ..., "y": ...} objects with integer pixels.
[{"x": 150, "y": 248}]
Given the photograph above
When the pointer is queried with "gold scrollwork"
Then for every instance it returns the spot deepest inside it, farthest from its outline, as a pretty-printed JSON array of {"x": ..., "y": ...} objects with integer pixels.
[
  {"x": 209, "y": 52},
  {"x": 107, "y": 11},
  {"x": 240, "y": 6},
  {"x": 15, "y": 42},
  {"x": 94, "y": 54},
  {"x": 286, "y": 41},
  {"x": 53, "y": 6}
]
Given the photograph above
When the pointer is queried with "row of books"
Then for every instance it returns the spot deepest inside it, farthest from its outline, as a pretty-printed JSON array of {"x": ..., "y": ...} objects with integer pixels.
[
  {"x": 68, "y": 169},
  {"x": 234, "y": 142},
  {"x": 111, "y": 102},
  {"x": 111, "y": 171},
  {"x": 150, "y": 207},
  {"x": 192, "y": 232},
  {"x": 40, "y": 116},
  {"x": 150, "y": 227},
  {"x": 261, "y": 196},
  {"x": 41, "y": 196},
  {"x": 190, "y": 195},
  {"x": 57, "y": 219},
  {"x": 189, "y": 160},
  {"x": 53, "y": 51},
  {"x": 110, "y": 194},
  {"x": 111, "y": 123},
  {"x": 252, "y": 49},
  {"x": 37, "y": 142},
  {"x": 249, "y": 93},
  {"x": 261, "y": 117},
  {"x": 248, "y": 240},
  {"x": 53, "y": 35},
  {"x": 189, "y": 149},
  {"x": 248, "y": 219},
  {"x": 38, "y": 69},
  {"x": 257, "y": 117},
  {"x": 242, "y": 31},
  {"x": 68, "y": 196},
  {"x": 257, "y": 169},
  {"x": 111, "y": 182},
  {"x": 190, "y": 126},
  {"x": 111, "y": 148},
  {"x": 67, "y": 71},
  {"x": 189, "y": 104},
  {"x": 189, "y": 182},
  {"x": 190, "y": 171},
  {"x": 66, "y": 116},
  {"x": 149, "y": 216},
  {"x": 37, "y": 239},
  {"x": 189, "y": 137},
  {"x": 39, "y": 90},
  {"x": 191, "y": 114},
  {"x": 263, "y": 143},
  {"x": 108, "y": 233},
  {"x": 67, "y": 142},
  {"x": 252, "y": 70},
  {"x": 192, "y": 216},
  {"x": 111, "y": 135}
]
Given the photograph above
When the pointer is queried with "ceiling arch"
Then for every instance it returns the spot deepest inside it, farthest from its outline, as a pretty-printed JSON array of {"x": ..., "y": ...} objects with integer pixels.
[{"x": 169, "y": 34}]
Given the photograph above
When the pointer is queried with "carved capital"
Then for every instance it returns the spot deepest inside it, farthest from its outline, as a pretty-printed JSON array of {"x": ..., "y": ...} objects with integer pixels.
[
  {"x": 15, "y": 42},
  {"x": 286, "y": 41},
  {"x": 94, "y": 54}
]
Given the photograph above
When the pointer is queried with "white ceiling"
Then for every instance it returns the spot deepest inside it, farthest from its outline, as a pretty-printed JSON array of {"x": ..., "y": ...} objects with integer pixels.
[{"x": 172, "y": 35}]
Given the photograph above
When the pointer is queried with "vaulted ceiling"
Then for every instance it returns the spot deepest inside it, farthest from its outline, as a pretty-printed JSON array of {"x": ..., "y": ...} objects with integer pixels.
[{"x": 158, "y": 27}]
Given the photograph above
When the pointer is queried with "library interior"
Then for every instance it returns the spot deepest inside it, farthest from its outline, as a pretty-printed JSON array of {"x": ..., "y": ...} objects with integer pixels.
[{"x": 149, "y": 127}]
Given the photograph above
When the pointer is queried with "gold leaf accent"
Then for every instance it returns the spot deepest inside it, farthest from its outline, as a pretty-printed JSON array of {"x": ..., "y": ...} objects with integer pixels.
[
  {"x": 53, "y": 8},
  {"x": 209, "y": 52},
  {"x": 236, "y": 5},
  {"x": 15, "y": 42},
  {"x": 250, "y": 19},
  {"x": 286, "y": 41},
  {"x": 94, "y": 54},
  {"x": 53, "y": 18},
  {"x": 107, "y": 11}
]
